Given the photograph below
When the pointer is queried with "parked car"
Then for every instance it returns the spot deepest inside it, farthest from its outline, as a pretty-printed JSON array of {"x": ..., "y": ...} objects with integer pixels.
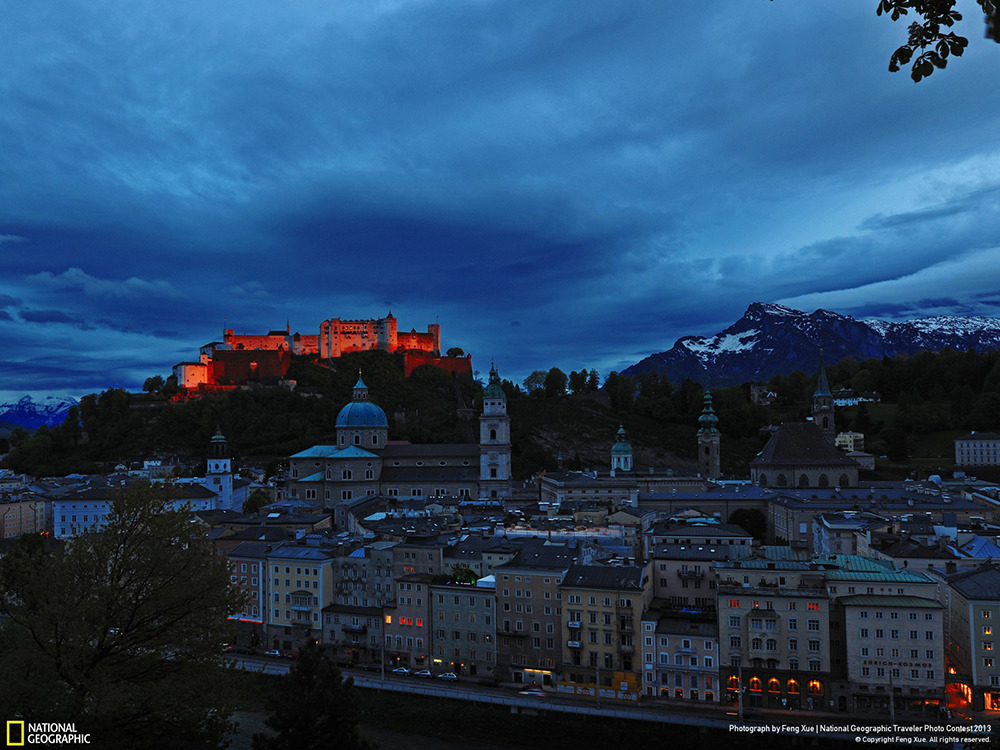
[
  {"x": 536, "y": 692},
  {"x": 401, "y": 670},
  {"x": 423, "y": 673},
  {"x": 373, "y": 667},
  {"x": 447, "y": 676},
  {"x": 272, "y": 652}
]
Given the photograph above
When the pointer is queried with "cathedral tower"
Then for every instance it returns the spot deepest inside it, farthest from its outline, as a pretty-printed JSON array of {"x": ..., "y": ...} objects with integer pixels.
[
  {"x": 709, "y": 454},
  {"x": 621, "y": 453},
  {"x": 219, "y": 476},
  {"x": 494, "y": 442}
]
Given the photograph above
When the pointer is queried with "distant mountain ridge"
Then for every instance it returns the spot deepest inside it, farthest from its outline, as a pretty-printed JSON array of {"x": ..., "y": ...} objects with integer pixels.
[
  {"x": 773, "y": 339},
  {"x": 27, "y": 412}
]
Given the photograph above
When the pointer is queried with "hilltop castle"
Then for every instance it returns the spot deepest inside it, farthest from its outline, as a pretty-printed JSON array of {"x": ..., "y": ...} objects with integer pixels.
[{"x": 242, "y": 358}]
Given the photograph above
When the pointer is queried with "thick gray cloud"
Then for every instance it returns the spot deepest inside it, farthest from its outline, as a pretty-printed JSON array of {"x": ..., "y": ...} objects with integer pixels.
[{"x": 608, "y": 178}]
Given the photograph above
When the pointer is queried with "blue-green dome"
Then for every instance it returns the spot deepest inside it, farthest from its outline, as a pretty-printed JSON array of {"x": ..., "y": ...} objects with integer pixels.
[
  {"x": 493, "y": 389},
  {"x": 362, "y": 414},
  {"x": 622, "y": 445}
]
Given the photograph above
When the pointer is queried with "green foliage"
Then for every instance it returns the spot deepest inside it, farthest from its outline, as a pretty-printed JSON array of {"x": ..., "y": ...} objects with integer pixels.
[
  {"x": 751, "y": 520},
  {"x": 256, "y": 500},
  {"x": 928, "y": 37},
  {"x": 153, "y": 385},
  {"x": 555, "y": 383},
  {"x": 120, "y": 630},
  {"x": 535, "y": 382},
  {"x": 314, "y": 708}
]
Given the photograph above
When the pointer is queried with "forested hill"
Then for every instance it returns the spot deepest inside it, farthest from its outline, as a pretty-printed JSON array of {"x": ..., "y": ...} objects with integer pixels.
[{"x": 925, "y": 401}]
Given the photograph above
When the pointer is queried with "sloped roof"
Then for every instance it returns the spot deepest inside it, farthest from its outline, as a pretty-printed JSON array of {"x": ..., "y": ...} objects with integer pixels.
[
  {"x": 627, "y": 578},
  {"x": 801, "y": 444}
]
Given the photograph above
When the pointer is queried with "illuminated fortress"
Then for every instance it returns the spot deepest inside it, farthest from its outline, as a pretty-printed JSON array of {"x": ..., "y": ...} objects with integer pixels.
[{"x": 338, "y": 337}]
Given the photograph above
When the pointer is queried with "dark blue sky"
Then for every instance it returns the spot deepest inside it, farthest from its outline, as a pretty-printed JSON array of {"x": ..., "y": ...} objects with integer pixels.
[{"x": 570, "y": 184}]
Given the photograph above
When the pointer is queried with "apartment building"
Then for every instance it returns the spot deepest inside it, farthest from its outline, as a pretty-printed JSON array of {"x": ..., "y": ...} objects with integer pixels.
[
  {"x": 463, "y": 629},
  {"x": 603, "y": 607},
  {"x": 301, "y": 581}
]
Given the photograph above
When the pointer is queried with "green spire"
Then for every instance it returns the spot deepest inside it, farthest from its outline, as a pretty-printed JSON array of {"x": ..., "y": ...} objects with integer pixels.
[
  {"x": 822, "y": 384},
  {"x": 708, "y": 422}
]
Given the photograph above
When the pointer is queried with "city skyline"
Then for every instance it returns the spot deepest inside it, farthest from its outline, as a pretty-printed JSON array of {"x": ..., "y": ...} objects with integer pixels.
[{"x": 556, "y": 190}]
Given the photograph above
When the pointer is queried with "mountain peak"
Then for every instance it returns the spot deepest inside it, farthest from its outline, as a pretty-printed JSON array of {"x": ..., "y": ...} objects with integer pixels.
[
  {"x": 773, "y": 339},
  {"x": 28, "y": 412}
]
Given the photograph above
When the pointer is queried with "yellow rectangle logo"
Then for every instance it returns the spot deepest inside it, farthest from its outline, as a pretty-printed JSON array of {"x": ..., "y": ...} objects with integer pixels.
[{"x": 18, "y": 732}]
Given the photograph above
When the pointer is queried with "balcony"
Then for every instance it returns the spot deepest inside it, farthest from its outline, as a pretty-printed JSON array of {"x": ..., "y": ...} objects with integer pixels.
[
  {"x": 626, "y": 648},
  {"x": 689, "y": 574},
  {"x": 359, "y": 629},
  {"x": 574, "y": 624},
  {"x": 574, "y": 644}
]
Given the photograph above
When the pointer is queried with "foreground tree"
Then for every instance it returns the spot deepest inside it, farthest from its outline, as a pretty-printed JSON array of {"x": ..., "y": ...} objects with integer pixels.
[
  {"x": 314, "y": 708},
  {"x": 120, "y": 630}
]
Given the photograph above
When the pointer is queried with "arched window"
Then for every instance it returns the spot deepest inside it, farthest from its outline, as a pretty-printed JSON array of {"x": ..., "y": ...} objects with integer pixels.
[
  {"x": 773, "y": 685},
  {"x": 824, "y": 480},
  {"x": 793, "y": 687},
  {"x": 803, "y": 480},
  {"x": 815, "y": 688},
  {"x": 762, "y": 481},
  {"x": 782, "y": 482},
  {"x": 842, "y": 482},
  {"x": 755, "y": 685},
  {"x": 734, "y": 682},
  {"x": 772, "y": 644},
  {"x": 757, "y": 643},
  {"x": 493, "y": 434}
]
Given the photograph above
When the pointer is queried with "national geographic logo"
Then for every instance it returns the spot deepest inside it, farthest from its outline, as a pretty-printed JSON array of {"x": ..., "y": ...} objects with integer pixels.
[{"x": 20, "y": 734}]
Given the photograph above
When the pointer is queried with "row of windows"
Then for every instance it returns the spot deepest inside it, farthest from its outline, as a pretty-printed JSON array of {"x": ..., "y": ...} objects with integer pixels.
[
  {"x": 592, "y": 600},
  {"x": 682, "y": 660},
  {"x": 880, "y": 673},
  {"x": 878, "y": 615},
  {"x": 894, "y": 634},
  {"x": 894, "y": 653}
]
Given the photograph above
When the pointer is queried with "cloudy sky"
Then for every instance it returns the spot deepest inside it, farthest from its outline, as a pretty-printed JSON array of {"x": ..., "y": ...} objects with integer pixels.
[{"x": 557, "y": 183}]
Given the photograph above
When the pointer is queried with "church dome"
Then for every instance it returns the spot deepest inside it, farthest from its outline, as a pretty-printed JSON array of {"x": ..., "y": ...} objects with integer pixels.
[
  {"x": 622, "y": 445},
  {"x": 493, "y": 389},
  {"x": 362, "y": 414}
]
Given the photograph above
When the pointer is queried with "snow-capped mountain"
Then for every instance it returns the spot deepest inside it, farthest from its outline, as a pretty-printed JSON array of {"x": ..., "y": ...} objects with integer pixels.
[
  {"x": 773, "y": 339},
  {"x": 32, "y": 414}
]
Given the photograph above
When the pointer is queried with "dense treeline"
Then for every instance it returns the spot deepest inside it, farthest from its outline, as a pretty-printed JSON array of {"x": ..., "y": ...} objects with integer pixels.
[
  {"x": 929, "y": 392},
  {"x": 920, "y": 395},
  {"x": 115, "y": 426}
]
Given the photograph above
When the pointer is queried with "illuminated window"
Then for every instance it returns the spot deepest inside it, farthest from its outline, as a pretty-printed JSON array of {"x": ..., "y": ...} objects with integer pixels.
[
  {"x": 755, "y": 686},
  {"x": 793, "y": 687},
  {"x": 734, "y": 603},
  {"x": 814, "y": 606},
  {"x": 733, "y": 683},
  {"x": 815, "y": 688},
  {"x": 773, "y": 685}
]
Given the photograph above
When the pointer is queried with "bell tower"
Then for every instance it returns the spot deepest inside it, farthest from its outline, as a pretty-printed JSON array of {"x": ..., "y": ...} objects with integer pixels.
[
  {"x": 709, "y": 452},
  {"x": 494, "y": 442},
  {"x": 822, "y": 406},
  {"x": 219, "y": 476}
]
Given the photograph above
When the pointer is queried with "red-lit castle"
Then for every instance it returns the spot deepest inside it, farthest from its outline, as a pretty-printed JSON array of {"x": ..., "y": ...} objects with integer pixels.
[{"x": 264, "y": 358}]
